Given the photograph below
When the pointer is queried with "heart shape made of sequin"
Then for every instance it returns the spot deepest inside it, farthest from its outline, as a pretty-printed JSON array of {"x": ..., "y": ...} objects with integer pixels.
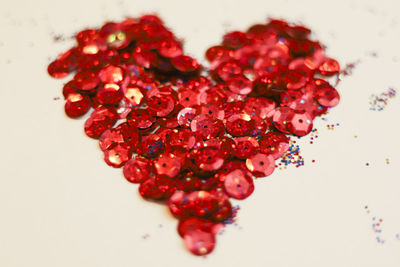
[{"x": 195, "y": 137}]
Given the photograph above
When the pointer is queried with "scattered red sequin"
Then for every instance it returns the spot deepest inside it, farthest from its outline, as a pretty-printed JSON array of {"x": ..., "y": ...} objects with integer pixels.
[{"x": 196, "y": 141}]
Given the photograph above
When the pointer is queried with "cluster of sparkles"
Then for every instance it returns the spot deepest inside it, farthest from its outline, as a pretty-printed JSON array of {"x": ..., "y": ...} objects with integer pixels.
[
  {"x": 332, "y": 126},
  {"x": 376, "y": 226},
  {"x": 379, "y": 102},
  {"x": 232, "y": 219},
  {"x": 291, "y": 157},
  {"x": 195, "y": 138},
  {"x": 346, "y": 71},
  {"x": 313, "y": 135}
]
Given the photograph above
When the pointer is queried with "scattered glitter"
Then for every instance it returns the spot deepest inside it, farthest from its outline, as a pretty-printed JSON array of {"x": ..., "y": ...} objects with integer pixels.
[
  {"x": 145, "y": 236},
  {"x": 346, "y": 71},
  {"x": 376, "y": 227},
  {"x": 332, "y": 126},
  {"x": 379, "y": 102},
  {"x": 313, "y": 135},
  {"x": 291, "y": 157},
  {"x": 57, "y": 38},
  {"x": 232, "y": 218}
]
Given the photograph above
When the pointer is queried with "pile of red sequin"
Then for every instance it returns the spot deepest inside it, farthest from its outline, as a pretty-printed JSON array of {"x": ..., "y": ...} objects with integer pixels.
[{"x": 190, "y": 136}]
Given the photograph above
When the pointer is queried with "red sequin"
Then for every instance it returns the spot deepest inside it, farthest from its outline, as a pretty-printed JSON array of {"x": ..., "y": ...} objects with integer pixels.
[
  {"x": 240, "y": 85},
  {"x": 274, "y": 144},
  {"x": 137, "y": 170},
  {"x": 199, "y": 242},
  {"x": 209, "y": 159},
  {"x": 117, "y": 154},
  {"x": 167, "y": 164},
  {"x": 185, "y": 116},
  {"x": 194, "y": 223},
  {"x": 185, "y": 64},
  {"x": 109, "y": 94},
  {"x": 99, "y": 121},
  {"x": 260, "y": 165},
  {"x": 151, "y": 146},
  {"x": 281, "y": 119},
  {"x": 300, "y": 123},
  {"x": 245, "y": 147},
  {"x": 206, "y": 126},
  {"x": 239, "y": 125},
  {"x": 197, "y": 140},
  {"x": 260, "y": 107},
  {"x": 327, "y": 96},
  {"x": 140, "y": 118},
  {"x": 86, "y": 80},
  {"x": 77, "y": 105},
  {"x": 238, "y": 184},
  {"x": 329, "y": 67},
  {"x": 111, "y": 74}
]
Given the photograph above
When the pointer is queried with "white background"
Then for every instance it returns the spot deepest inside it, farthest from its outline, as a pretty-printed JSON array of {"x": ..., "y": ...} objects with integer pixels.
[{"x": 61, "y": 205}]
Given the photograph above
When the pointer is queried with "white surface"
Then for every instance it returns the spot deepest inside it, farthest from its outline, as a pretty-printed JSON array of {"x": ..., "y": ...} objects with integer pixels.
[{"x": 61, "y": 205}]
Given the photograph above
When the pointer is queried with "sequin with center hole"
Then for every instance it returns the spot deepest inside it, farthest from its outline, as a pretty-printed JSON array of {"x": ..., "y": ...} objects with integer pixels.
[
  {"x": 140, "y": 118},
  {"x": 99, "y": 121},
  {"x": 300, "y": 124},
  {"x": 274, "y": 144},
  {"x": 209, "y": 159},
  {"x": 182, "y": 138},
  {"x": 77, "y": 105},
  {"x": 167, "y": 164},
  {"x": 238, "y": 184},
  {"x": 161, "y": 106},
  {"x": 185, "y": 116},
  {"x": 246, "y": 147},
  {"x": 239, "y": 124},
  {"x": 117, "y": 154},
  {"x": 206, "y": 126},
  {"x": 137, "y": 169},
  {"x": 261, "y": 165}
]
